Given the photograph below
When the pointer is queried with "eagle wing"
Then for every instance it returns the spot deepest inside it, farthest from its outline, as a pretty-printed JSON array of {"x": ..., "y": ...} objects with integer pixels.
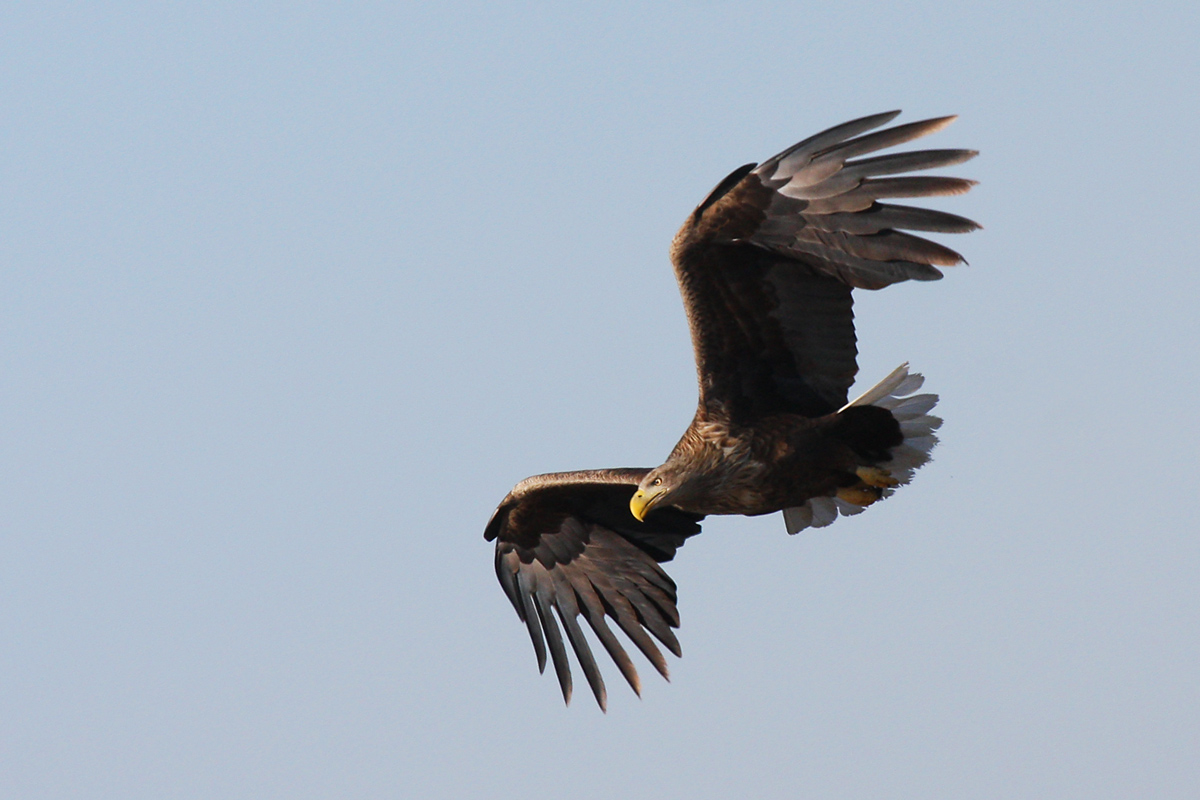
[
  {"x": 567, "y": 544},
  {"x": 767, "y": 262}
]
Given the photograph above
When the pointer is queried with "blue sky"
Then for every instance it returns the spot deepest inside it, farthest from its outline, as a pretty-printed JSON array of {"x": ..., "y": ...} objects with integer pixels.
[{"x": 293, "y": 294}]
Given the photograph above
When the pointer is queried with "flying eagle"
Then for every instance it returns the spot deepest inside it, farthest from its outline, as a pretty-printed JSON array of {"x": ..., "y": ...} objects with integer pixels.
[{"x": 766, "y": 265}]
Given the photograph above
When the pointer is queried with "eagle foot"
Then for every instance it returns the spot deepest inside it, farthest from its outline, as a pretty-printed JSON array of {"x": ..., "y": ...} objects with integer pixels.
[
  {"x": 877, "y": 477},
  {"x": 860, "y": 494}
]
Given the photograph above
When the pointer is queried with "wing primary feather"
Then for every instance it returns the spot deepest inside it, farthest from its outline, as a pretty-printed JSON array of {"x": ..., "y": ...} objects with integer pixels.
[
  {"x": 615, "y": 650},
  {"x": 872, "y": 189},
  {"x": 637, "y": 634},
  {"x": 890, "y": 246},
  {"x": 881, "y": 217},
  {"x": 558, "y": 653},
  {"x": 646, "y": 611},
  {"x": 664, "y": 603},
  {"x": 586, "y": 660},
  {"x": 568, "y": 613},
  {"x": 890, "y": 137},
  {"x": 592, "y": 608},
  {"x": 619, "y": 607},
  {"x": 804, "y": 150},
  {"x": 915, "y": 186},
  {"x": 507, "y": 574},
  {"x": 905, "y": 162},
  {"x": 664, "y": 635},
  {"x": 863, "y": 273},
  {"x": 532, "y": 619},
  {"x": 654, "y": 575},
  {"x": 654, "y": 608}
]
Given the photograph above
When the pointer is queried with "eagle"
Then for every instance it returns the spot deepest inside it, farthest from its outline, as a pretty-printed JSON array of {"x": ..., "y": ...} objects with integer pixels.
[{"x": 766, "y": 265}]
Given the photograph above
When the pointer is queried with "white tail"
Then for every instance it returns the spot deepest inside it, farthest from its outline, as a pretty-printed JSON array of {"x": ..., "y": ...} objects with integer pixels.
[{"x": 895, "y": 393}]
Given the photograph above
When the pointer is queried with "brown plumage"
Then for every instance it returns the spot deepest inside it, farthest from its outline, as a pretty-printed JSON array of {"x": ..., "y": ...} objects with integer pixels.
[{"x": 766, "y": 265}]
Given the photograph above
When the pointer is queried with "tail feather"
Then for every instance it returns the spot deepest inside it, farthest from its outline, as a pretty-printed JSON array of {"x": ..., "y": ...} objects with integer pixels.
[
  {"x": 896, "y": 383},
  {"x": 917, "y": 425}
]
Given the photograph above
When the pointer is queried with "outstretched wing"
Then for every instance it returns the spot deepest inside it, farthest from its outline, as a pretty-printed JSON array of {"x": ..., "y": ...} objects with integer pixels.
[
  {"x": 766, "y": 263},
  {"x": 566, "y": 544}
]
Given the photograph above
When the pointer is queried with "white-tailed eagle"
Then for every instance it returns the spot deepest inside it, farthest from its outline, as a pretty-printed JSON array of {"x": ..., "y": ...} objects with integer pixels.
[{"x": 766, "y": 265}]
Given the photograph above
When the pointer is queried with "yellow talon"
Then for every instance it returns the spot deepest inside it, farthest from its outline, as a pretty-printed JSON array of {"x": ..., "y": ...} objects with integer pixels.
[
  {"x": 859, "y": 495},
  {"x": 874, "y": 476}
]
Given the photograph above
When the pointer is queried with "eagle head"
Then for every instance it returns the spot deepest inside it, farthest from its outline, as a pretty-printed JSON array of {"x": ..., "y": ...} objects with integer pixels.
[{"x": 665, "y": 485}]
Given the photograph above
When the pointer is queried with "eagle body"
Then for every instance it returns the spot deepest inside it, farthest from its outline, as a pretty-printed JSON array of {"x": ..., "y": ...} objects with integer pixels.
[
  {"x": 766, "y": 264},
  {"x": 781, "y": 461}
]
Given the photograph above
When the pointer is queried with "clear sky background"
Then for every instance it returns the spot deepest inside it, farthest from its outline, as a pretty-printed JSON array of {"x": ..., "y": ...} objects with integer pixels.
[{"x": 293, "y": 293}]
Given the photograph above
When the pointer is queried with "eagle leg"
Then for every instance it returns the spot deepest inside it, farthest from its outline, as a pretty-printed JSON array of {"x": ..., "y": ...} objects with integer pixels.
[
  {"x": 860, "y": 494},
  {"x": 873, "y": 483},
  {"x": 876, "y": 476}
]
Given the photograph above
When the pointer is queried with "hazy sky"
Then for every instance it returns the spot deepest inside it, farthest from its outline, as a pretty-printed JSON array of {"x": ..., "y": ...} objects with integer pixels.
[{"x": 293, "y": 293}]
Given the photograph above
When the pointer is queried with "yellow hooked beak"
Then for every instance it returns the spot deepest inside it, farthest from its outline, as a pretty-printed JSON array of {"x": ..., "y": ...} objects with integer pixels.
[{"x": 643, "y": 500}]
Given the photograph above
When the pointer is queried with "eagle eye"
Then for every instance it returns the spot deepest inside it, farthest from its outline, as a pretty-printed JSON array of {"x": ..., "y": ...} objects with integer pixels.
[{"x": 657, "y": 482}]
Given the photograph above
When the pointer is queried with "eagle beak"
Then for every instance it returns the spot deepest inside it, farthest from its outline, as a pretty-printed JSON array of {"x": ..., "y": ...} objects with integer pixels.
[{"x": 643, "y": 500}]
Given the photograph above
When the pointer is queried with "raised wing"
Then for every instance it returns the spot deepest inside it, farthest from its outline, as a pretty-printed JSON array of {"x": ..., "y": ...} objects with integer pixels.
[
  {"x": 567, "y": 545},
  {"x": 766, "y": 263}
]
